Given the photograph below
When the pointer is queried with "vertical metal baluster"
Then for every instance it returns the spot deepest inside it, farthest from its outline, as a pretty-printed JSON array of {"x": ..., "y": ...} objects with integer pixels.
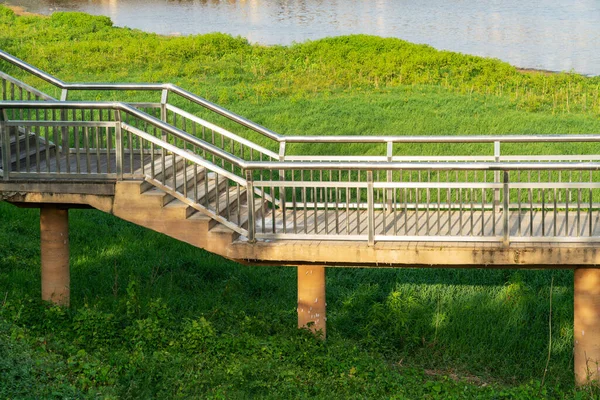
[
  {"x": 206, "y": 197},
  {"x": 152, "y": 161},
  {"x": 567, "y": 198},
  {"x": 86, "y": 144},
  {"x": 428, "y": 200},
  {"x": 305, "y": 202},
  {"x": 217, "y": 186},
  {"x": 174, "y": 168},
  {"x": 530, "y": 205},
  {"x": 197, "y": 178},
  {"x": 405, "y": 211},
  {"x": 395, "y": 210},
  {"x": 251, "y": 205},
  {"x": 348, "y": 204},
  {"x": 505, "y": 216},
  {"x": 519, "y": 216},
  {"x": 483, "y": 203},
  {"x": 59, "y": 149},
  {"x": 185, "y": 178},
  {"x": 417, "y": 215},
  {"x": 358, "y": 195},
  {"x": 77, "y": 148},
  {"x": 590, "y": 210},
  {"x": 315, "y": 200},
  {"x": 324, "y": 193},
  {"x": 336, "y": 203},
  {"x": 472, "y": 212},
  {"x": 263, "y": 204},
  {"x": 36, "y": 133},
  {"x": 543, "y": 191},
  {"x": 294, "y": 203},
  {"x": 370, "y": 209},
  {"x": 449, "y": 200},
  {"x": 27, "y": 138},
  {"x": 590, "y": 206},
  {"x": 238, "y": 205},
  {"x": 17, "y": 149},
  {"x": 384, "y": 202},
  {"x": 460, "y": 211},
  {"x": 555, "y": 214},
  {"x": 579, "y": 210},
  {"x": 142, "y": 154},
  {"x": 131, "y": 146}
]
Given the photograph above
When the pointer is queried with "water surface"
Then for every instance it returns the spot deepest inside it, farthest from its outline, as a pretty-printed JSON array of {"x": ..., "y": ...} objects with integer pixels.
[{"x": 544, "y": 34}]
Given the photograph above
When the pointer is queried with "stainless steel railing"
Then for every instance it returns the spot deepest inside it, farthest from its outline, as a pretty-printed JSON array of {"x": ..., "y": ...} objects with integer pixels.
[
  {"x": 388, "y": 194},
  {"x": 166, "y": 90},
  {"x": 539, "y": 201},
  {"x": 114, "y": 141},
  {"x": 336, "y": 200}
]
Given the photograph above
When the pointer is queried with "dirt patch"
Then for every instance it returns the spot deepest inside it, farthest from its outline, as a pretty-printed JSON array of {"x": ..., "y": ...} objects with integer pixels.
[
  {"x": 456, "y": 377},
  {"x": 20, "y": 11},
  {"x": 532, "y": 71}
]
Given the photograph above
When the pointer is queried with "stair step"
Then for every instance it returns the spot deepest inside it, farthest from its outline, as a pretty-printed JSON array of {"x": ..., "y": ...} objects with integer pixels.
[
  {"x": 23, "y": 139},
  {"x": 179, "y": 209},
  {"x": 156, "y": 193},
  {"x": 158, "y": 170},
  {"x": 207, "y": 191},
  {"x": 31, "y": 155},
  {"x": 229, "y": 201}
]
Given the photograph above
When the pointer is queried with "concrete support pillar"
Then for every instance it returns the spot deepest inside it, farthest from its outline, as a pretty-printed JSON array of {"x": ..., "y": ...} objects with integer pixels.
[
  {"x": 311, "y": 298},
  {"x": 54, "y": 229},
  {"x": 587, "y": 325}
]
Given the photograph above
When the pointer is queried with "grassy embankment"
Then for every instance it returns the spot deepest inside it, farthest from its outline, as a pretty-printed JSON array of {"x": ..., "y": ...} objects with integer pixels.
[{"x": 152, "y": 317}]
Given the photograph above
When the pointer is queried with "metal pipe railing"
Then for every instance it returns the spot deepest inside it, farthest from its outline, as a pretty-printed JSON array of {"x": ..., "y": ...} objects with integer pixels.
[
  {"x": 335, "y": 191},
  {"x": 137, "y": 86}
]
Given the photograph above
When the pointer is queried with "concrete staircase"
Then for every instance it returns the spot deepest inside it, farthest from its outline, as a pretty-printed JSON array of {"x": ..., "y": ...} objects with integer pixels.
[{"x": 182, "y": 213}]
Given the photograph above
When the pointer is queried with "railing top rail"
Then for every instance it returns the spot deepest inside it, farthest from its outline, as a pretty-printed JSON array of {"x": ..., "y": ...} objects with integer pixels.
[
  {"x": 142, "y": 86},
  {"x": 441, "y": 166},
  {"x": 446, "y": 139}
]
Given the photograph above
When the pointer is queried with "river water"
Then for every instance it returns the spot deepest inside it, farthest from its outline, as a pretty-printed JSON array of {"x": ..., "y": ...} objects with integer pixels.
[{"x": 556, "y": 35}]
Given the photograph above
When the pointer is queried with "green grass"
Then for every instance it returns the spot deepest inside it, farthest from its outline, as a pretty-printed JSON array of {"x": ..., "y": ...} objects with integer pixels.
[{"x": 152, "y": 317}]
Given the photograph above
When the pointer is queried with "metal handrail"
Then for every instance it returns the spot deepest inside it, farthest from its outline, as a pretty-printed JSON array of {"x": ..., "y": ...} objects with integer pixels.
[
  {"x": 119, "y": 154},
  {"x": 281, "y": 187},
  {"x": 57, "y": 105},
  {"x": 282, "y": 139},
  {"x": 169, "y": 87},
  {"x": 324, "y": 165}
]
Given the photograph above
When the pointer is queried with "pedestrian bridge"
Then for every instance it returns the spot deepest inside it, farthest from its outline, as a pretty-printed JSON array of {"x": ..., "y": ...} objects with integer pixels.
[{"x": 195, "y": 171}]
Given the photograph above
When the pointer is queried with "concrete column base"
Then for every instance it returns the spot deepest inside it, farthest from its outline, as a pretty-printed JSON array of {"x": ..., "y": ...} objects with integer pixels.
[
  {"x": 54, "y": 230},
  {"x": 587, "y": 325},
  {"x": 311, "y": 299}
]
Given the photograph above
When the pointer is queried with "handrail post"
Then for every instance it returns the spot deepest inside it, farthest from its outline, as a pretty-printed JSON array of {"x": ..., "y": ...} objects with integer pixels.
[
  {"x": 370, "y": 208},
  {"x": 282, "y": 192},
  {"x": 164, "y": 99},
  {"x": 5, "y": 140},
  {"x": 389, "y": 176},
  {"x": 64, "y": 94},
  {"x": 119, "y": 144},
  {"x": 497, "y": 176},
  {"x": 505, "y": 212},
  {"x": 251, "y": 210}
]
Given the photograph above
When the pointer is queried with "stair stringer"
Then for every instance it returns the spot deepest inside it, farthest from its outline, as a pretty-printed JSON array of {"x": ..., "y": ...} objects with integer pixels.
[{"x": 172, "y": 219}]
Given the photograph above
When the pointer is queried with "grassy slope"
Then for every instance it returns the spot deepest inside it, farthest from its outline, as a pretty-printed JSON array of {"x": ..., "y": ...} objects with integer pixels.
[{"x": 154, "y": 317}]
